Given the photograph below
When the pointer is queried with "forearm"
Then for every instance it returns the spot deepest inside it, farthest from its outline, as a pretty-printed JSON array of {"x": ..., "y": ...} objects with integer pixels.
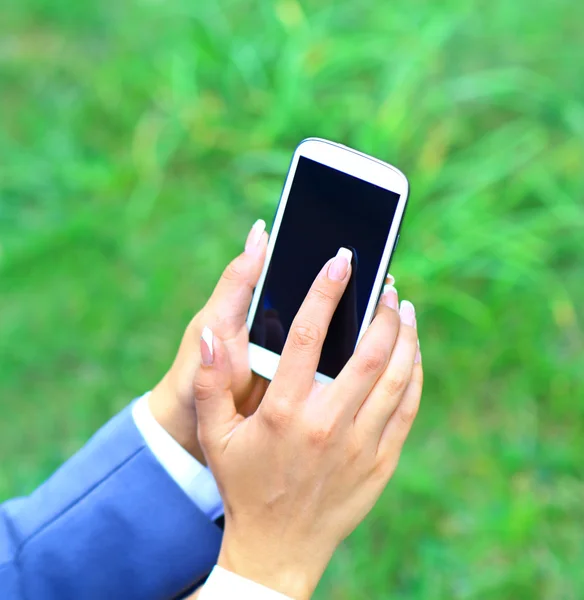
[{"x": 111, "y": 505}]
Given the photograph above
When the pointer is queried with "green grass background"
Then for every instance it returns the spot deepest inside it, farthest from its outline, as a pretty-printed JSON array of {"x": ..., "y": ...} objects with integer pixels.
[{"x": 139, "y": 140}]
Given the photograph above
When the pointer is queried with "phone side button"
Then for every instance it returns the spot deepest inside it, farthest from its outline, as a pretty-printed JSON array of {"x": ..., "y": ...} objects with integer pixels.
[{"x": 395, "y": 244}]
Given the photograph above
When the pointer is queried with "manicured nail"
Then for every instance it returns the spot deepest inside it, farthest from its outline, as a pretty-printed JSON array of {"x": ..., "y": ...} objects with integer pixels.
[
  {"x": 207, "y": 347},
  {"x": 418, "y": 358},
  {"x": 389, "y": 297},
  {"x": 339, "y": 268},
  {"x": 390, "y": 279},
  {"x": 255, "y": 235},
  {"x": 407, "y": 313}
]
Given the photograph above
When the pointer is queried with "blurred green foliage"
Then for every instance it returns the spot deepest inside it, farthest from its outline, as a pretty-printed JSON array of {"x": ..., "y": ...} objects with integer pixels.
[{"x": 139, "y": 141}]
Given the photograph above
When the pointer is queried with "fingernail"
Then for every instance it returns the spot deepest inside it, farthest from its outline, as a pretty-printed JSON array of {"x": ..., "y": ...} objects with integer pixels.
[
  {"x": 339, "y": 268},
  {"x": 390, "y": 279},
  {"x": 207, "y": 347},
  {"x": 389, "y": 297},
  {"x": 255, "y": 235},
  {"x": 407, "y": 313}
]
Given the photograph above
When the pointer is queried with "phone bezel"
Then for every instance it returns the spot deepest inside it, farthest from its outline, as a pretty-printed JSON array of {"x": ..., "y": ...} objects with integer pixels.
[{"x": 265, "y": 362}]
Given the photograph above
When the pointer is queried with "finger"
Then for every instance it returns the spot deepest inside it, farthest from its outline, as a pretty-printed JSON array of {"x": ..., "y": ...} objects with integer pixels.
[
  {"x": 216, "y": 413},
  {"x": 370, "y": 359},
  {"x": 232, "y": 295},
  {"x": 389, "y": 279},
  {"x": 389, "y": 389},
  {"x": 400, "y": 424},
  {"x": 303, "y": 346}
]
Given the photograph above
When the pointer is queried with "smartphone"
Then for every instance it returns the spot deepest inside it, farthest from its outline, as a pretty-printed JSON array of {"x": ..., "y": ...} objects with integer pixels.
[{"x": 333, "y": 196}]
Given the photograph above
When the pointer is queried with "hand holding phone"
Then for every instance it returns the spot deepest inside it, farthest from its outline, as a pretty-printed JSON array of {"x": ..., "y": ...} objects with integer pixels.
[
  {"x": 299, "y": 474},
  {"x": 172, "y": 401},
  {"x": 333, "y": 197}
]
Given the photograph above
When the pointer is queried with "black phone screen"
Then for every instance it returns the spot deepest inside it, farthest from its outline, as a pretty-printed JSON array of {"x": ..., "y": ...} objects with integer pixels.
[{"x": 326, "y": 209}]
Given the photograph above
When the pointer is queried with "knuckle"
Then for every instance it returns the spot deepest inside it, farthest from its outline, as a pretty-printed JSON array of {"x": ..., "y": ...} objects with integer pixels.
[
  {"x": 320, "y": 435},
  {"x": 385, "y": 465},
  {"x": 277, "y": 414},
  {"x": 373, "y": 361},
  {"x": 354, "y": 452},
  {"x": 396, "y": 384},
  {"x": 203, "y": 390},
  {"x": 407, "y": 414},
  {"x": 321, "y": 295},
  {"x": 234, "y": 271},
  {"x": 305, "y": 335}
]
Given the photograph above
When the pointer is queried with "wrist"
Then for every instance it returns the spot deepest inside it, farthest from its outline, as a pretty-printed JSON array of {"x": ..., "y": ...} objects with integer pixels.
[
  {"x": 273, "y": 569},
  {"x": 176, "y": 419}
]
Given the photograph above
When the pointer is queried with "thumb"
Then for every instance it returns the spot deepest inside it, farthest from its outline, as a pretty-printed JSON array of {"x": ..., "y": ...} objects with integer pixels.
[
  {"x": 232, "y": 295},
  {"x": 216, "y": 413}
]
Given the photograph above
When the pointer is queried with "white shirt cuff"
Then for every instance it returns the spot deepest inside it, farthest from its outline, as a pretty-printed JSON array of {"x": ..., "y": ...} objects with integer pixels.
[
  {"x": 223, "y": 585},
  {"x": 189, "y": 474}
]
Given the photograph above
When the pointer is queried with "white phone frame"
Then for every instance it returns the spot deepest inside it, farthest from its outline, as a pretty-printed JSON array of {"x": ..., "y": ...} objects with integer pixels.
[{"x": 265, "y": 362}]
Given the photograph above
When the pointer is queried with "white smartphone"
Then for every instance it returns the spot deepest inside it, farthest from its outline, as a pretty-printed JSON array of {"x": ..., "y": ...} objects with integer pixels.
[{"x": 333, "y": 196}]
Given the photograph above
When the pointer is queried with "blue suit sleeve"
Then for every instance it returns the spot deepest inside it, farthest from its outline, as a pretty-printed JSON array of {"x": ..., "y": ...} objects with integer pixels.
[{"x": 110, "y": 523}]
